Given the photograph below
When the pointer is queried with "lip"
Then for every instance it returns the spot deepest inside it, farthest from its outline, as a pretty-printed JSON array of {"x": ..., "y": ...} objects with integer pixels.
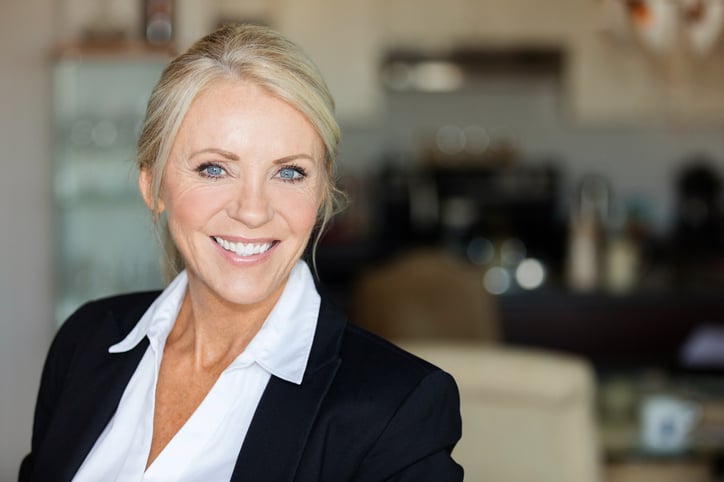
[
  {"x": 240, "y": 239},
  {"x": 245, "y": 260}
]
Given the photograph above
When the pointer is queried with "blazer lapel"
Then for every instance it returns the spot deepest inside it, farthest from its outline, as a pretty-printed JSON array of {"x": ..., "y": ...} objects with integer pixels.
[
  {"x": 283, "y": 420},
  {"x": 91, "y": 400}
]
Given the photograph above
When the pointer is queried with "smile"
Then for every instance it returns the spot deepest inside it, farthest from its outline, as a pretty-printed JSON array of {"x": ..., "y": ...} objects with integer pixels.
[{"x": 243, "y": 249}]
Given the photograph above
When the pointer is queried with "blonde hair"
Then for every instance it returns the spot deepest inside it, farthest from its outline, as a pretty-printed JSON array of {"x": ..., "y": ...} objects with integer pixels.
[{"x": 250, "y": 53}]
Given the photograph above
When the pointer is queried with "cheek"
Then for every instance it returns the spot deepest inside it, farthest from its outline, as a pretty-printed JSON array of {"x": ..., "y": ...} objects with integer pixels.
[
  {"x": 191, "y": 206},
  {"x": 300, "y": 208},
  {"x": 302, "y": 214}
]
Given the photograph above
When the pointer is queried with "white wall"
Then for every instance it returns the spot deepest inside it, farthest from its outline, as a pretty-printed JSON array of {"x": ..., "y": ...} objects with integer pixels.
[{"x": 26, "y": 323}]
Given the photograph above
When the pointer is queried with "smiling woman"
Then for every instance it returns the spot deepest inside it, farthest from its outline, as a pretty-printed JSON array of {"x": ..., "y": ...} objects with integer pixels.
[
  {"x": 248, "y": 169},
  {"x": 239, "y": 369}
]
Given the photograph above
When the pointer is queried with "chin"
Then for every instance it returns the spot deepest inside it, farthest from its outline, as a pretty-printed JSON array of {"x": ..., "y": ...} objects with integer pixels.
[{"x": 248, "y": 293}]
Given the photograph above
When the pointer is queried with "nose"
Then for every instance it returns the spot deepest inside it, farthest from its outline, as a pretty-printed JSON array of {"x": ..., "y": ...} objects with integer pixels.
[{"x": 251, "y": 204}]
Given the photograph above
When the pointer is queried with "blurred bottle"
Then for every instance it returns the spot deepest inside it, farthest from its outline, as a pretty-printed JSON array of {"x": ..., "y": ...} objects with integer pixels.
[
  {"x": 158, "y": 21},
  {"x": 626, "y": 249},
  {"x": 698, "y": 248},
  {"x": 623, "y": 256},
  {"x": 699, "y": 215},
  {"x": 587, "y": 234}
]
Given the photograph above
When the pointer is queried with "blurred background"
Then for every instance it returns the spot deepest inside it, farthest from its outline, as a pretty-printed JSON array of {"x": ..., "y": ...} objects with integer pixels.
[{"x": 538, "y": 180}]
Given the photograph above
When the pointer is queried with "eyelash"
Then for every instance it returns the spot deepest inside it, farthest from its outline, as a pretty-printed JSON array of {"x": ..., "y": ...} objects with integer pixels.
[
  {"x": 298, "y": 169},
  {"x": 203, "y": 167}
]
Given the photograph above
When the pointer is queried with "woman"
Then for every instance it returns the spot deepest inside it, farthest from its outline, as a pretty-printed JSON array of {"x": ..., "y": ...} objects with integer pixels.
[{"x": 238, "y": 370}]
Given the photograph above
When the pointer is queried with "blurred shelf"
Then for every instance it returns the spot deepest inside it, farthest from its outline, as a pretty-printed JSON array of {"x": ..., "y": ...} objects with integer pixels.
[
  {"x": 636, "y": 329},
  {"x": 113, "y": 49}
]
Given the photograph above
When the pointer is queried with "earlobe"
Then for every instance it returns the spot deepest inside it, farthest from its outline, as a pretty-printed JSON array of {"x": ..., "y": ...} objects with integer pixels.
[{"x": 145, "y": 185}]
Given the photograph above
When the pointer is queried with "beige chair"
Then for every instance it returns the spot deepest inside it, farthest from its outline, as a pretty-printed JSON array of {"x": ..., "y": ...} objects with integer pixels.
[
  {"x": 528, "y": 416},
  {"x": 426, "y": 294}
]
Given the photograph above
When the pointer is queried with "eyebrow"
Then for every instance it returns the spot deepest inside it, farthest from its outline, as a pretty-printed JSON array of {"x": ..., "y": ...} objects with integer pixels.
[
  {"x": 229, "y": 155},
  {"x": 285, "y": 159},
  {"x": 233, "y": 157}
]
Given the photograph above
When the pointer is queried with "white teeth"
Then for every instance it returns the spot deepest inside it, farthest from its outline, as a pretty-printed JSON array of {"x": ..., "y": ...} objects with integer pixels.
[{"x": 243, "y": 249}]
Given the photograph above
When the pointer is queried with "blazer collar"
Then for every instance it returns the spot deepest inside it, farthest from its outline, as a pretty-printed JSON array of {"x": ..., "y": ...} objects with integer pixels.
[{"x": 283, "y": 420}]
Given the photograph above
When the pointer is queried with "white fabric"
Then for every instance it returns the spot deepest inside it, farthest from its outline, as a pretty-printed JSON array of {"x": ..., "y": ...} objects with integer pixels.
[{"x": 207, "y": 445}]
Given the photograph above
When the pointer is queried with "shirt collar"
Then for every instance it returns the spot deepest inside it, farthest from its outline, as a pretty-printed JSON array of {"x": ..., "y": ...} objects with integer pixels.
[
  {"x": 157, "y": 321},
  {"x": 283, "y": 343},
  {"x": 281, "y": 346}
]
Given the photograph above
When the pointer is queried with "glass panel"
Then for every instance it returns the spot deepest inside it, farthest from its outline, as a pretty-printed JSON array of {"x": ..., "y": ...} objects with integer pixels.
[{"x": 104, "y": 242}]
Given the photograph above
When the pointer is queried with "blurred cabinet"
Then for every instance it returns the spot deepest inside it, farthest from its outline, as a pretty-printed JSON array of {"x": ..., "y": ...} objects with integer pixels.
[
  {"x": 425, "y": 24},
  {"x": 431, "y": 24},
  {"x": 104, "y": 238},
  {"x": 347, "y": 57}
]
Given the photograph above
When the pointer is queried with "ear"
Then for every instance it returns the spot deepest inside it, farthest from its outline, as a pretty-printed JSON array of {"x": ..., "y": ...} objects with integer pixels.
[{"x": 145, "y": 185}]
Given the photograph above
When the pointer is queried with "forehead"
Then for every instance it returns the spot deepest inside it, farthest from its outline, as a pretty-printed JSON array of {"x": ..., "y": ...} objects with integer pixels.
[
  {"x": 237, "y": 112},
  {"x": 238, "y": 98}
]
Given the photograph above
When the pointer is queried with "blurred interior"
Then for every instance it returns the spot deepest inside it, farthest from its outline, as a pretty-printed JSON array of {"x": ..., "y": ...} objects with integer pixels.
[{"x": 537, "y": 185}]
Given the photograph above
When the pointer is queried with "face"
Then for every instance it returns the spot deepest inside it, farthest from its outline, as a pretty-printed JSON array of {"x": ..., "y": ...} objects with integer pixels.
[{"x": 241, "y": 190}]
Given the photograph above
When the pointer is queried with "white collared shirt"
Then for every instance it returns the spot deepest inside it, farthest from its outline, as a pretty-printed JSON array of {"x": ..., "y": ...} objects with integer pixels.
[{"x": 207, "y": 445}]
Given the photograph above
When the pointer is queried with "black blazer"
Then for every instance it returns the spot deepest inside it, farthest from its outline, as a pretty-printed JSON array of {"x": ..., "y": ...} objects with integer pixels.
[{"x": 365, "y": 410}]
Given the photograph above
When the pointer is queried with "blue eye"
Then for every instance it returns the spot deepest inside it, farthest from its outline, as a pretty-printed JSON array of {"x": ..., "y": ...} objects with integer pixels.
[
  {"x": 214, "y": 171},
  {"x": 291, "y": 173},
  {"x": 210, "y": 170}
]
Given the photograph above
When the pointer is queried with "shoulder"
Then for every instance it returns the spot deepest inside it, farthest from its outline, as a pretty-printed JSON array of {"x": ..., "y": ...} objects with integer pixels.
[
  {"x": 374, "y": 354},
  {"x": 372, "y": 363},
  {"x": 114, "y": 316},
  {"x": 388, "y": 409},
  {"x": 384, "y": 376},
  {"x": 123, "y": 307}
]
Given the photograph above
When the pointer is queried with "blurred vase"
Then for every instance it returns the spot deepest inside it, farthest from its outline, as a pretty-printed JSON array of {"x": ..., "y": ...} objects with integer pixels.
[
  {"x": 158, "y": 21},
  {"x": 587, "y": 235}
]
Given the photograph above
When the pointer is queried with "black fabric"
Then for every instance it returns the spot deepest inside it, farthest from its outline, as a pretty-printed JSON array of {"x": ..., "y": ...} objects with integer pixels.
[{"x": 365, "y": 411}]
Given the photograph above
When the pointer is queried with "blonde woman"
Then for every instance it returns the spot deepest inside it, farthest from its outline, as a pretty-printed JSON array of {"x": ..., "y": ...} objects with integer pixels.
[{"x": 239, "y": 370}]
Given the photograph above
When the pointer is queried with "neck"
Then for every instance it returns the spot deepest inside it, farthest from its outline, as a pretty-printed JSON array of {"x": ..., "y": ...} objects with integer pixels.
[{"x": 214, "y": 331}]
